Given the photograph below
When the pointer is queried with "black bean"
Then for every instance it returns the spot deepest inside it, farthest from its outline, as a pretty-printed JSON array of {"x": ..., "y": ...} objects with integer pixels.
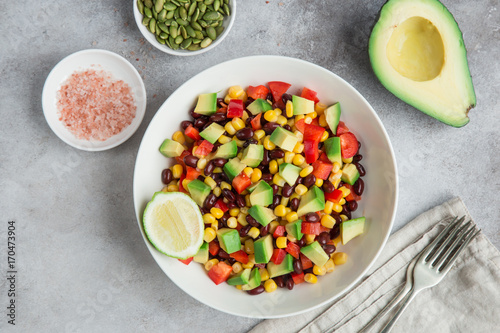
[
  {"x": 275, "y": 189},
  {"x": 287, "y": 190},
  {"x": 359, "y": 186},
  {"x": 302, "y": 242},
  {"x": 218, "y": 117},
  {"x": 309, "y": 180},
  {"x": 265, "y": 158},
  {"x": 253, "y": 222},
  {"x": 276, "y": 201},
  {"x": 219, "y": 162},
  {"x": 337, "y": 218},
  {"x": 201, "y": 178},
  {"x": 309, "y": 270},
  {"x": 231, "y": 261},
  {"x": 204, "y": 211},
  {"x": 185, "y": 124},
  {"x": 312, "y": 217},
  {"x": 357, "y": 158},
  {"x": 270, "y": 127},
  {"x": 220, "y": 225},
  {"x": 267, "y": 177},
  {"x": 200, "y": 122},
  {"x": 276, "y": 153},
  {"x": 328, "y": 186},
  {"x": 220, "y": 101},
  {"x": 299, "y": 180},
  {"x": 244, "y": 230},
  {"x": 323, "y": 238},
  {"x": 231, "y": 205},
  {"x": 223, "y": 254},
  {"x": 228, "y": 194},
  {"x": 286, "y": 97},
  {"x": 248, "y": 142},
  {"x": 279, "y": 281},
  {"x": 224, "y": 218},
  {"x": 329, "y": 248},
  {"x": 290, "y": 284},
  {"x": 264, "y": 230},
  {"x": 191, "y": 160},
  {"x": 270, "y": 97},
  {"x": 335, "y": 232},
  {"x": 256, "y": 291},
  {"x": 240, "y": 201},
  {"x": 352, "y": 205},
  {"x": 287, "y": 127},
  {"x": 166, "y": 176},
  {"x": 360, "y": 168},
  {"x": 346, "y": 212},
  {"x": 294, "y": 204},
  {"x": 244, "y": 133},
  {"x": 194, "y": 114},
  {"x": 297, "y": 266},
  {"x": 359, "y": 145},
  {"x": 210, "y": 201}
]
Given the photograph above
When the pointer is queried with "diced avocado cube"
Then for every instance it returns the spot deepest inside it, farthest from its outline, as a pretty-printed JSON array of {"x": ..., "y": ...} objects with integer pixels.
[
  {"x": 252, "y": 155},
  {"x": 295, "y": 229},
  {"x": 349, "y": 174},
  {"x": 263, "y": 249},
  {"x": 227, "y": 150},
  {"x": 259, "y": 106},
  {"x": 332, "y": 114},
  {"x": 253, "y": 281},
  {"x": 171, "y": 148},
  {"x": 233, "y": 168},
  {"x": 207, "y": 104},
  {"x": 333, "y": 151},
  {"x": 315, "y": 253},
  {"x": 252, "y": 187},
  {"x": 241, "y": 278},
  {"x": 229, "y": 240},
  {"x": 352, "y": 228},
  {"x": 312, "y": 201},
  {"x": 202, "y": 255},
  {"x": 263, "y": 215},
  {"x": 285, "y": 267},
  {"x": 199, "y": 191},
  {"x": 212, "y": 133},
  {"x": 283, "y": 139},
  {"x": 289, "y": 173},
  {"x": 262, "y": 195},
  {"x": 302, "y": 105}
]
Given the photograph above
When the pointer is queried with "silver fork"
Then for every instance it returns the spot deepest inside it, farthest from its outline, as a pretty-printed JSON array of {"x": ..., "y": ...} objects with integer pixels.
[{"x": 436, "y": 261}]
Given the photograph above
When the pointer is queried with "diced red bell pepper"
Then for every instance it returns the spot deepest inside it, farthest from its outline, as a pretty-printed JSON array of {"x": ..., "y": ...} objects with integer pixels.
[
  {"x": 323, "y": 157},
  {"x": 204, "y": 148},
  {"x": 341, "y": 128},
  {"x": 257, "y": 92},
  {"x": 352, "y": 196},
  {"x": 323, "y": 229},
  {"x": 238, "y": 226},
  {"x": 192, "y": 173},
  {"x": 310, "y": 95},
  {"x": 298, "y": 278},
  {"x": 192, "y": 132},
  {"x": 186, "y": 261},
  {"x": 180, "y": 159},
  {"x": 241, "y": 182},
  {"x": 213, "y": 248},
  {"x": 305, "y": 261},
  {"x": 334, "y": 196},
  {"x": 300, "y": 125},
  {"x": 293, "y": 249},
  {"x": 322, "y": 169},
  {"x": 311, "y": 151},
  {"x": 313, "y": 132},
  {"x": 348, "y": 145},
  {"x": 181, "y": 188},
  {"x": 278, "y": 88},
  {"x": 240, "y": 256},
  {"x": 220, "y": 272},
  {"x": 221, "y": 205},
  {"x": 235, "y": 108},
  {"x": 278, "y": 256},
  {"x": 255, "y": 122},
  {"x": 222, "y": 110},
  {"x": 279, "y": 232},
  {"x": 311, "y": 228}
]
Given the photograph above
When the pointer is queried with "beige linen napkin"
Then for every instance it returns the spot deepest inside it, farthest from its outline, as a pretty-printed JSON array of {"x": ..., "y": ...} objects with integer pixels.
[{"x": 466, "y": 300}]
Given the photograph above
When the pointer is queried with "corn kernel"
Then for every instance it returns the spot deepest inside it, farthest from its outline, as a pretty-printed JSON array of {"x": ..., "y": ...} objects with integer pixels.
[
  {"x": 292, "y": 216},
  {"x": 164, "y": 189},
  {"x": 307, "y": 120},
  {"x": 248, "y": 265},
  {"x": 278, "y": 180},
  {"x": 185, "y": 183},
  {"x": 309, "y": 238},
  {"x": 339, "y": 258},
  {"x": 337, "y": 240},
  {"x": 268, "y": 144},
  {"x": 301, "y": 189},
  {"x": 211, "y": 263},
  {"x": 310, "y": 278},
  {"x": 224, "y": 185},
  {"x": 299, "y": 148},
  {"x": 283, "y": 222},
  {"x": 330, "y": 266},
  {"x": 318, "y": 182},
  {"x": 278, "y": 111},
  {"x": 210, "y": 182},
  {"x": 320, "y": 108},
  {"x": 299, "y": 117},
  {"x": 229, "y": 128},
  {"x": 238, "y": 286},
  {"x": 324, "y": 136},
  {"x": 215, "y": 225},
  {"x": 237, "y": 267},
  {"x": 217, "y": 191},
  {"x": 271, "y": 116},
  {"x": 336, "y": 182},
  {"x": 289, "y": 157},
  {"x": 272, "y": 226},
  {"x": 264, "y": 274},
  {"x": 224, "y": 139},
  {"x": 298, "y": 134},
  {"x": 232, "y": 222},
  {"x": 179, "y": 137},
  {"x": 217, "y": 170},
  {"x": 173, "y": 188},
  {"x": 279, "y": 211},
  {"x": 289, "y": 109},
  {"x": 344, "y": 217},
  {"x": 327, "y": 221},
  {"x": 248, "y": 246},
  {"x": 202, "y": 163},
  {"x": 342, "y": 201},
  {"x": 208, "y": 218},
  {"x": 245, "y": 116},
  {"x": 177, "y": 171},
  {"x": 306, "y": 171},
  {"x": 217, "y": 212},
  {"x": 234, "y": 212},
  {"x": 336, "y": 167},
  {"x": 209, "y": 235},
  {"x": 291, "y": 238},
  {"x": 337, "y": 208},
  {"x": 328, "y": 207},
  {"x": 312, "y": 115},
  {"x": 270, "y": 286},
  {"x": 248, "y": 203},
  {"x": 281, "y": 120},
  {"x": 284, "y": 202},
  {"x": 259, "y": 134},
  {"x": 239, "y": 143},
  {"x": 345, "y": 191},
  {"x": 319, "y": 270},
  {"x": 298, "y": 159},
  {"x": 227, "y": 99},
  {"x": 238, "y": 123},
  {"x": 256, "y": 175},
  {"x": 254, "y": 232},
  {"x": 281, "y": 242},
  {"x": 280, "y": 161},
  {"x": 322, "y": 121},
  {"x": 251, "y": 258},
  {"x": 347, "y": 160},
  {"x": 235, "y": 91}
]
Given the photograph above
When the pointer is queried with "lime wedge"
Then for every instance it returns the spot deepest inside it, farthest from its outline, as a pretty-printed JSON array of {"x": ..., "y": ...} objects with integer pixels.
[{"x": 173, "y": 224}]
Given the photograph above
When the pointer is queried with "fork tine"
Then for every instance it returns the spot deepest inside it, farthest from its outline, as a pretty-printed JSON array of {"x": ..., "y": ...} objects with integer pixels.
[
  {"x": 432, "y": 245},
  {"x": 449, "y": 264},
  {"x": 464, "y": 232},
  {"x": 449, "y": 238}
]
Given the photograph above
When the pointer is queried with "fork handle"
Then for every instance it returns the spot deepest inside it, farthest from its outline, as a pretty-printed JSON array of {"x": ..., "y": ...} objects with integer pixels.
[{"x": 387, "y": 328}]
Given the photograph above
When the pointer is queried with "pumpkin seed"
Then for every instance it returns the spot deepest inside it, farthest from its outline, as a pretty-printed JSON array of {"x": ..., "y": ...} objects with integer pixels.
[
  {"x": 170, "y": 14},
  {"x": 206, "y": 42},
  {"x": 148, "y": 3},
  {"x": 203, "y": 23},
  {"x": 164, "y": 35},
  {"x": 196, "y": 41},
  {"x": 178, "y": 39},
  {"x": 162, "y": 15},
  {"x": 140, "y": 6},
  {"x": 196, "y": 15},
  {"x": 145, "y": 21},
  {"x": 208, "y": 2},
  {"x": 147, "y": 12},
  {"x": 211, "y": 16},
  {"x": 159, "y": 5},
  {"x": 219, "y": 30},
  {"x": 152, "y": 25},
  {"x": 173, "y": 31},
  {"x": 190, "y": 31},
  {"x": 196, "y": 26},
  {"x": 163, "y": 27},
  {"x": 175, "y": 2},
  {"x": 169, "y": 22},
  {"x": 157, "y": 29},
  {"x": 202, "y": 7},
  {"x": 183, "y": 13},
  {"x": 160, "y": 40},
  {"x": 194, "y": 47},
  {"x": 186, "y": 43},
  {"x": 216, "y": 5},
  {"x": 184, "y": 32},
  {"x": 191, "y": 9},
  {"x": 211, "y": 33},
  {"x": 199, "y": 35},
  {"x": 170, "y": 6},
  {"x": 155, "y": 14},
  {"x": 226, "y": 10},
  {"x": 182, "y": 22}
]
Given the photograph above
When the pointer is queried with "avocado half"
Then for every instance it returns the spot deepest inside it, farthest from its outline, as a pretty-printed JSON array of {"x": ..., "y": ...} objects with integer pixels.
[{"x": 417, "y": 52}]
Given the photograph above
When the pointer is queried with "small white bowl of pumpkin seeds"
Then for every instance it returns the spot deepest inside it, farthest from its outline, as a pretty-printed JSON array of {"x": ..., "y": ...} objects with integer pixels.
[{"x": 184, "y": 27}]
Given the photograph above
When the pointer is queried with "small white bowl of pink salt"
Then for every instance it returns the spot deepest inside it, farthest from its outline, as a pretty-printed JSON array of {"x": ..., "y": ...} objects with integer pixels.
[{"x": 94, "y": 100}]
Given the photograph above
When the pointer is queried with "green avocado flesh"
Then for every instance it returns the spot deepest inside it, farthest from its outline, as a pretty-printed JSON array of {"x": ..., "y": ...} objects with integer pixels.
[
  {"x": 417, "y": 52},
  {"x": 171, "y": 148},
  {"x": 285, "y": 267},
  {"x": 229, "y": 240},
  {"x": 207, "y": 104},
  {"x": 352, "y": 228},
  {"x": 263, "y": 249},
  {"x": 262, "y": 194},
  {"x": 263, "y": 215}
]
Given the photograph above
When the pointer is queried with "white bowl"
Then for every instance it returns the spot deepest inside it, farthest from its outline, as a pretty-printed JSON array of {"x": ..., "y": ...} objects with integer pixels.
[
  {"x": 227, "y": 23},
  {"x": 378, "y": 203},
  {"x": 108, "y": 61}
]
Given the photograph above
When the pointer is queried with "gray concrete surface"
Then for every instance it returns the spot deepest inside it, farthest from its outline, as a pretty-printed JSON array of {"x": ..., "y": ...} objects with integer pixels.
[{"x": 82, "y": 264}]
